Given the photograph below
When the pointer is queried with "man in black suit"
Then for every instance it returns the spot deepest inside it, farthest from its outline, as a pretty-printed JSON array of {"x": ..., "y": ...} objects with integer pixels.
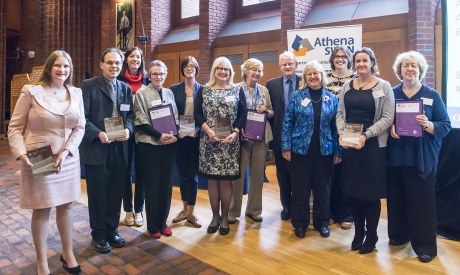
[
  {"x": 279, "y": 89},
  {"x": 106, "y": 160}
]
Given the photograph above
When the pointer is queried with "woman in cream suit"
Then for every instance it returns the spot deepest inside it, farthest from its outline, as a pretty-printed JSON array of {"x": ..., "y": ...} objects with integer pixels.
[
  {"x": 253, "y": 153},
  {"x": 50, "y": 113}
]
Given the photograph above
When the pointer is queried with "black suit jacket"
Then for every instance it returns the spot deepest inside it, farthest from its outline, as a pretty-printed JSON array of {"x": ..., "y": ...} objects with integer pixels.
[
  {"x": 98, "y": 105},
  {"x": 276, "y": 90}
]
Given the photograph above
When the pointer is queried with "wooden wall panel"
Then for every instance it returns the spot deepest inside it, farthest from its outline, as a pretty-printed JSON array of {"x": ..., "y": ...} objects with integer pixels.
[{"x": 385, "y": 52}]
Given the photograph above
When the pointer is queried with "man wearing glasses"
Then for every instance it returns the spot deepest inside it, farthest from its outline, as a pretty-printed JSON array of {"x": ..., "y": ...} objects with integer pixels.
[
  {"x": 279, "y": 89},
  {"x": 105, "y": 158}
]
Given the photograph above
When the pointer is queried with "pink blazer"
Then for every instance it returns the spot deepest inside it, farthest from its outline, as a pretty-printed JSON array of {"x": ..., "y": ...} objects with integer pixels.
[{"x": 36, "y": 122}]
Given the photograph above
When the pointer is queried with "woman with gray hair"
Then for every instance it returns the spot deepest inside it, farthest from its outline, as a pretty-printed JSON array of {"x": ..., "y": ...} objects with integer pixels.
[
  {"x": 412, "y": 161},
  {"x": 156, "y": 150},
  {"x": 220, "y": 101},
  {"x": 309, "y": 141},
  {"x": 253, "y": 152}
]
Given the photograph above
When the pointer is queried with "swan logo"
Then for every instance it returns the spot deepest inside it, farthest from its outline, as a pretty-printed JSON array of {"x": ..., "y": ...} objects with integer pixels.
[{"x": 301, "y": 46}]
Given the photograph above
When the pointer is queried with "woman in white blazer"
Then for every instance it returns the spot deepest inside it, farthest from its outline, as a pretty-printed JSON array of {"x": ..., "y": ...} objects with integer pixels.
[{"x": 50, "y": 113}]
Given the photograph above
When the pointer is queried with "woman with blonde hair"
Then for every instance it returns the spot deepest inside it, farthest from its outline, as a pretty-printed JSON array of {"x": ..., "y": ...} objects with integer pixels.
[
  {"x": 50, "y": 113},
  {"x": 220, "y": 100},
  {"x": 252, "y": 152}
]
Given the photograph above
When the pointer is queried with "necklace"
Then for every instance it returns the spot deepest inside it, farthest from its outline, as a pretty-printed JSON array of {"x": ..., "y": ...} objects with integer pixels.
[
  {"x": 55, "y": 92},
  {"x": 317, "y": 100},
  {"x": 361, "y": 87}
]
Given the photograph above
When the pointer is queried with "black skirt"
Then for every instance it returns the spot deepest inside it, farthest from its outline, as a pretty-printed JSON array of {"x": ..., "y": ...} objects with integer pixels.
[{"x": 364, "y": 171}]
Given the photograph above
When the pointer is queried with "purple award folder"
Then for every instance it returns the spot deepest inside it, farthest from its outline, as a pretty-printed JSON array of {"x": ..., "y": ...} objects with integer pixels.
[
  {"x": 163, "y": 119},
  {"x": 406, "y": 111},
  {"x": 255, "y": 125}
]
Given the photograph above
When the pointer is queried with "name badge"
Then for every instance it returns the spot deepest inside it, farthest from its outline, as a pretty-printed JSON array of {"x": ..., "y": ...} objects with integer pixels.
[
  {"x": 427, "y": 101},
  {"x": 36, "y": 90},
  {"x": 378, "y": 94},
  {"x": 155, "y": 102},
  {"x": 305, "y": 102},
  {"x": 230, "y": 98},
  {"x": 124, "y": 107}
]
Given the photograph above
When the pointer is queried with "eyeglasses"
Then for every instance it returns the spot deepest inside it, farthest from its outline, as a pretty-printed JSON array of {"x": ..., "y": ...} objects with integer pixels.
[
  {"x": 340, "y": 57},
  {"x": 222, "y": 69},
  {"x": 157, "y": 74},
  {"x": 110, "y": 63},
  {"x": 287, "y": 65}
]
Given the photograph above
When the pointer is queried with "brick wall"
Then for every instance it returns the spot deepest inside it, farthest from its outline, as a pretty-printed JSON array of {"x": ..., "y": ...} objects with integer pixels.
[
  {"x": 421, "y": 29},
  {"x": 293, "y": 14},
  {"x": 2, "y": 61},
  {"x": 214, "y": 16}
]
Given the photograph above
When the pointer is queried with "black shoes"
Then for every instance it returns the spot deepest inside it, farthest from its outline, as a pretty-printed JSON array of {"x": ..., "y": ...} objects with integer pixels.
[
  {"x": 71, "y": 270},
  {"x": 300, "y": 232},
  {"x": 116, "y": 241},
  {"x": 213, "y": 229},
  {"x": 397, "y": 243},
  {"x": 224, "y": 231},
  {"x": 324, "y": 231},
  {"x": 285, "y": 215},
  {"x": 368, "y": 245},
  {"x": 425, "y": 258},
  {"x": 101, "y": 246},
  {"x": 357, "y": 242}
]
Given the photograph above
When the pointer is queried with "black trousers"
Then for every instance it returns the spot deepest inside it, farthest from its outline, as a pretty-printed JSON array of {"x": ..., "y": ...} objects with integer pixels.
[
  {"x": 312, "y": 171},
  {"x": 104, "y": 185},
  {"x": 156, "y": 169},
  {"x": 284, "y": 179},
  {"x": 187, "y": 166},
  {"x": 412, "y": 208},
  {"x": 340, "y": 203},
  {"x": 128, "y": 189}
]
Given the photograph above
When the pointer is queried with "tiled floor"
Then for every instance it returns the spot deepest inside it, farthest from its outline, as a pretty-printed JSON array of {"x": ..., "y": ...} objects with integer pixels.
[{"x": 141, "y": 255}]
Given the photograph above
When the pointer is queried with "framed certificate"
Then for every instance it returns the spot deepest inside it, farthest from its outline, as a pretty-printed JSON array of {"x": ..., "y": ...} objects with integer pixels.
[
  {"x": 406, "y": 111},
  {"x": 163, "y": 119},
  {"x": 255, "y": 125}
]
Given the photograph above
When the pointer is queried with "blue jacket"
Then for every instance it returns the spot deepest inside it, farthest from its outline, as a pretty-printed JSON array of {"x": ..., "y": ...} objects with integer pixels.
[{"x": 298, "y": 124}]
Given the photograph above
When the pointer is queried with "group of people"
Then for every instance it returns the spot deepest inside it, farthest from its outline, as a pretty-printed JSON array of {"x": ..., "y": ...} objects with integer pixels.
[{"x": 305, "y": 120}]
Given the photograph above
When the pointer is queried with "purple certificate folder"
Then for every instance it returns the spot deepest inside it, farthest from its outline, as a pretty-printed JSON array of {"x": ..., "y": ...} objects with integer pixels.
[
  {"x": 406, "y": 111},
  {"x": 255, "y": 125},
  {"x": 163, "y": 119}
]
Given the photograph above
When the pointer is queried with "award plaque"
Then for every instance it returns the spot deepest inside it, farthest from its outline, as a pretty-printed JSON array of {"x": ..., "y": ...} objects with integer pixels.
[
  {"x": 187, "y": 125},
  {"x": 351, "y": 134},
  {"x": 163, "y": 119},
  {"x": 222, "y": 127},
  {"x": 255, "y": 125},
  {"x": 43, "y": 161},
  {"x": 114, "y": 127},
  {"x": 406, "y": 111}
]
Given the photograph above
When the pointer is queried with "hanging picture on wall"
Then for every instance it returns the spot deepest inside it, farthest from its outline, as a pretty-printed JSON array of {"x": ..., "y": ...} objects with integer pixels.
[{"x": 125, "y": 24}]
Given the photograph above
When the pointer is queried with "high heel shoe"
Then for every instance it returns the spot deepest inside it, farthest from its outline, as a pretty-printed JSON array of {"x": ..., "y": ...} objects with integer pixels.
[{"x": 71, "y": 270}]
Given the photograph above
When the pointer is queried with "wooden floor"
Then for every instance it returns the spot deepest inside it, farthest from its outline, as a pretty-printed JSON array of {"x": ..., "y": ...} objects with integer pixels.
[{"x": 271, "y": 247}]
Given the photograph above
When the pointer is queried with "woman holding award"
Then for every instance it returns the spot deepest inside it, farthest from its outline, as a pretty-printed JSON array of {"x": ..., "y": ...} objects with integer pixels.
[
  {"x": 156, "y": 148},
  {"x": 412, "y": 161},
  {"x": 133, "y": 73},
  {"x": 50, "y": 113},
  {"x": 309, "y": 141},
  {"x": 366, "y": 102},
  {"x": 220, "y": 110},
  {"x": 253, "y": 152},
  {"x": 188, "y": 143},
  {"x": 340, "y": 60}
]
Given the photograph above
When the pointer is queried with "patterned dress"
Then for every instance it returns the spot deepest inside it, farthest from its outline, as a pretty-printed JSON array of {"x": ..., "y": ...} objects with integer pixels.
[{"x": 220, "y": 161}]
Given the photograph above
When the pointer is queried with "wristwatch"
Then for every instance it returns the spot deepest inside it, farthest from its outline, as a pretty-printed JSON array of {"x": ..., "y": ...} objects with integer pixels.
[{"x": 426, "y": 125}]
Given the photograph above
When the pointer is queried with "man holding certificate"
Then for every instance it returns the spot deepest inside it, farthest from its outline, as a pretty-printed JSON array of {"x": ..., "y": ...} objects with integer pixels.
[
  {"x": 155, "y": 130},
  {"x": 254, "y": 143},
  {"x": 412, "y": 159}
]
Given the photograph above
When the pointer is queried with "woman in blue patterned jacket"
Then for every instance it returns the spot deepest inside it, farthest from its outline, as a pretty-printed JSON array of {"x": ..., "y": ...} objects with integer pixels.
[{"x": 309, "y": 140}]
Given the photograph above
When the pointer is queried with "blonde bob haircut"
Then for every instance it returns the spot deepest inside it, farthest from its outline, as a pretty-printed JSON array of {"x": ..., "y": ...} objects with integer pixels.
[
  {"x": 252, "y": 64},
  {"x": 224, "y": 63},
  {"x": 413, "y": 56},
  {"x": 315, "y": 65}
]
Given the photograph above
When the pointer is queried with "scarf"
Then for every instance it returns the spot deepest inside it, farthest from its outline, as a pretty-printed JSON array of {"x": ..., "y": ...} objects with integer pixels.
[{"x": 134, "y": 81}]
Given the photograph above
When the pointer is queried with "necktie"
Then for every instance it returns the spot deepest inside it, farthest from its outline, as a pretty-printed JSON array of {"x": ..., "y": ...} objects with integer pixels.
[
  {"x": 113, "y": 95},
  {"x": 291, "y": 89}
]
